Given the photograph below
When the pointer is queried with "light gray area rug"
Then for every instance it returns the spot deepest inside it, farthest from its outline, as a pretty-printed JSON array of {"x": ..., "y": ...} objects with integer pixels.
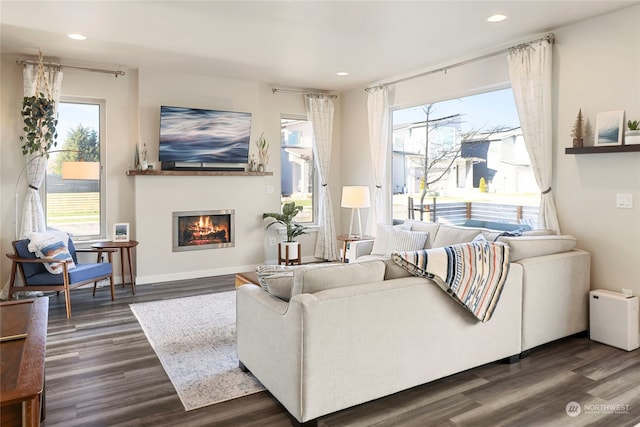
[{"x": 195, "y": 340}]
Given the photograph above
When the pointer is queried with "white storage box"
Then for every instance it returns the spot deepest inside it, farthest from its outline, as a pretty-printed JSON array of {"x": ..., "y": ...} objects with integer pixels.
[{"x": 613, "y": 319}]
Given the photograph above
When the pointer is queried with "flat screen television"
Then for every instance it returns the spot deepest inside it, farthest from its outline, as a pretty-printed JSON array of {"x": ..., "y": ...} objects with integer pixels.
[{"x": 194, "y": 137}]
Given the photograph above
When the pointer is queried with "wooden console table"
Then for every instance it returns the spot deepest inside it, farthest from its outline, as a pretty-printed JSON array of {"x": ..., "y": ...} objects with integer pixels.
[{"x": 23, "y": 339}]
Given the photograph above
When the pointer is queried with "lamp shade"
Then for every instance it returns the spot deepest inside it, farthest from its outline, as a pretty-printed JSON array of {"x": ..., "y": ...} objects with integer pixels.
[
  {"x": 355, "y": 196},
  {"x": 81, "y": 170}
]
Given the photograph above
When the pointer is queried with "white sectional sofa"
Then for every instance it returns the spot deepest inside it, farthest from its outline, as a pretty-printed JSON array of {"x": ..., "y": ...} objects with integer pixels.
[{"x": 345, "y": 334}]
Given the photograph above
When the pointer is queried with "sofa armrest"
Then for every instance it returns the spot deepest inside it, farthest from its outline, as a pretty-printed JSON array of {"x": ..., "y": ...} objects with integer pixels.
[
  {"x": 359, "y": 248},
  {"x": 555, "y": 296}
]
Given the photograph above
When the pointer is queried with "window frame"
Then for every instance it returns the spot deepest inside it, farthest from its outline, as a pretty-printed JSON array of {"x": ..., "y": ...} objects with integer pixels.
[
  {"x": 102, "y": 108},
  {"x": 389, "y": 176},
  {"x": 315, "y": 187}
]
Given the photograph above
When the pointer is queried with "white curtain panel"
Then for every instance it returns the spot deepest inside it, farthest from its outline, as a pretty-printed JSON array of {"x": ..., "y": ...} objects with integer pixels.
[
  {"x": 378, "y": 108},
  {"x": 320, "y": 111},
  {"x": 49, "y": 83},
  {"x": 530, "y": 74}
]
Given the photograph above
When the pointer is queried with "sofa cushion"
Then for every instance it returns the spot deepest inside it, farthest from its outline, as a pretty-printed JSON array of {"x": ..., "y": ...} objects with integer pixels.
[
  {"x": 429, "y": 227},
  {"x": 451, "y": 235},
  {"x": 384, "y": 233},
  {"x": 278, "y": 279},
  {"x": 534, "y": 246},
  {"x": 405, "y": 240},
  {"x": 51, "y": 244},
  {"x": 394, "y": 271},
  {"x": 307, "y": 281}
]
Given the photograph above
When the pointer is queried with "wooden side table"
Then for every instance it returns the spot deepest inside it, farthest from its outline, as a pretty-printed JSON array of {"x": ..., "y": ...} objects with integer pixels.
[
  {"x": 23, "y": 341},
  {"x": 346, "y": 239},
  {"x": 123, "y": 246}
]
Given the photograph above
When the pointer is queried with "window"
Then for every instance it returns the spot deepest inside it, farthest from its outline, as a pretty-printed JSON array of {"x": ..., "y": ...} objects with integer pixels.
[
  {"x": 75, "y": 200},
  {"x": 297, "y": 168},
  {"x": 467, "y": 153}
]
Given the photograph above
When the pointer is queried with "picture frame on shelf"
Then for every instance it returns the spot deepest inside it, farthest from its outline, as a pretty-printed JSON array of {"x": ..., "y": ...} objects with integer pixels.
[
  {"x": 609, "y": 128},
  {"x": 121, "y": 232}
]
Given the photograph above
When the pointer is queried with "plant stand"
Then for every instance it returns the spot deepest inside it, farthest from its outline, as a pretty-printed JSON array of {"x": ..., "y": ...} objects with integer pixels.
[{"x": 286, "y": 260}]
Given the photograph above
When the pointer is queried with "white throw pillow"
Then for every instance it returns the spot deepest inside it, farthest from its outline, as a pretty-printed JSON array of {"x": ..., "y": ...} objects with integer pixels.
[
  {"x": 406, "y": 241},
  {"x": 383, "y": 238},
  {"x": 51, "y": 244}
]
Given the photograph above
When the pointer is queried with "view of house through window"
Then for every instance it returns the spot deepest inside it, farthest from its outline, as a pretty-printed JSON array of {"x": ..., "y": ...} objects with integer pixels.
[
  {"x": 74, "y": 188},
  {"x": 297, "y": 169},
  {"x": 463, "y": 159}
]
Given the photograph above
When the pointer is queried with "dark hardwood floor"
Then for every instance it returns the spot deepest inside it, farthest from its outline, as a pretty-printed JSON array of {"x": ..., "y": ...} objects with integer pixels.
[{"x": 101, "y": 371}]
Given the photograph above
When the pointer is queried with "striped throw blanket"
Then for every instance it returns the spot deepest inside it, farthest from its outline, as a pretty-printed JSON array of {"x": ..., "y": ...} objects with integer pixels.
[{"x": 473, "y": 274}]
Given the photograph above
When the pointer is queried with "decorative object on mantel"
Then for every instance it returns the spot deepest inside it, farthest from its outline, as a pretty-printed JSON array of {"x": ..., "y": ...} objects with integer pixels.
[
  {"x": 632, "y": 136},
  {"x": 290, "y": 246},
  {"x": 609, "y": 128},
  {"x": 263, "y": 153},
  {"x": 579, "y": 131},
  {"x": 143, "y": 157},
  {"x": 253, "y": 166}
]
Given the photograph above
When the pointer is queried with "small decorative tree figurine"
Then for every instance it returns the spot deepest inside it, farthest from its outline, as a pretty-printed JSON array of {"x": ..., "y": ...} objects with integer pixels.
[{"x": 579, "y": 130}]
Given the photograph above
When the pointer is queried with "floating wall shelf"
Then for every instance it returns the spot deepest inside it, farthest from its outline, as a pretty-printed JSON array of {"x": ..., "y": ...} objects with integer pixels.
[
  {"x": 153, "y": 172},
  {"x": 602, "y": 149}
]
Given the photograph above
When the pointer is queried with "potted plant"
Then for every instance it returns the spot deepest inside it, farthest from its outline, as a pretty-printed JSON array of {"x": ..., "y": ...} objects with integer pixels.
[
  {"x": 632, "y": 136},
  {"x": 289, "y": 211},
  {"x": 40, "y": 123}
]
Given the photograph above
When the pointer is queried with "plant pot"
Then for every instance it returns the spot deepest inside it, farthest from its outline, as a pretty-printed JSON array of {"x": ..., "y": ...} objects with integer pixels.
[
  {"x": 632, "y": 137},
  {"x": 578, "y": 142},
  {"x": 292, "y": 253}
]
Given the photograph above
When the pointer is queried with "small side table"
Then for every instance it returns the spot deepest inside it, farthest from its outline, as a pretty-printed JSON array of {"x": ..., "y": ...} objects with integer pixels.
[
  {"x": 346, "y": 239},
  {"x": 123, "y": 246}
]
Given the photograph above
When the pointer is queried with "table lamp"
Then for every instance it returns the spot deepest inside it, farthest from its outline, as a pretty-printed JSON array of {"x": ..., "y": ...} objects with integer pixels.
[{"x": 355, "y": 197}]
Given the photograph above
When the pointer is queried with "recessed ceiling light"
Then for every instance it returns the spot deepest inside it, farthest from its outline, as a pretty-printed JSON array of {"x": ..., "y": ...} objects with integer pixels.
[
  {"x": 342, "y": 73},
  {"x": 77, "y": 36},
  {"x": 497, "y": 18}
]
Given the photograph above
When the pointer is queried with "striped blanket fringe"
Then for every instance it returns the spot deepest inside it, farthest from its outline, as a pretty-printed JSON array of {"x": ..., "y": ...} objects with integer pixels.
[{"x": 473, "y": 273}]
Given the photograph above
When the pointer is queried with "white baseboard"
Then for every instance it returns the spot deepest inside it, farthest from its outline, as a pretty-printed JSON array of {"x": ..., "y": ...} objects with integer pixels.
[{"x": 143, "y": 280}]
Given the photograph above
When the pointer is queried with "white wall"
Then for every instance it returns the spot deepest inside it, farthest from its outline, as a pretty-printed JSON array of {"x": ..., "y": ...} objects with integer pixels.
[
  {"x": 156, "y": 197},
  {"x": 133, "y": 105},
  {"x": 596, "y": 68}
]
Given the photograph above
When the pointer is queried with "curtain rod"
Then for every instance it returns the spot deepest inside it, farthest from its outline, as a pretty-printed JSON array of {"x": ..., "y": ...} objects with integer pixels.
[
  {"x": 302, "y": 92},
  {"x": 549, "y": 37},
  {"x": 60, "y": 67}
]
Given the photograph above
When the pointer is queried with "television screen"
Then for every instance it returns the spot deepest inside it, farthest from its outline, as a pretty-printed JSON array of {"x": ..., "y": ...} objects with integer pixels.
[{"x": 205, "y": 136}]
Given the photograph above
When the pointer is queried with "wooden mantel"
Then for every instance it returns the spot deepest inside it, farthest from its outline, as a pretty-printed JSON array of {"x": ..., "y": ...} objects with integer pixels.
[{"x": 154, "y": 172}]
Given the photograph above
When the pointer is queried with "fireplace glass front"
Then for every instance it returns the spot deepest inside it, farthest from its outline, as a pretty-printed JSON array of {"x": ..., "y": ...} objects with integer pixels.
[{"x": 195, "y": 230}]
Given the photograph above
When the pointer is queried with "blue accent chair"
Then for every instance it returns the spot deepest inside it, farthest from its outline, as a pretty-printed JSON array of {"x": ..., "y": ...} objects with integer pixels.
[{"x": 35, "y": 277}]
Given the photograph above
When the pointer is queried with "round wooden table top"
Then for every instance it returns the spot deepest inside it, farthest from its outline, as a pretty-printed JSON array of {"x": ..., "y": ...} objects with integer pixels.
[
  {"x": 111, "y": 244},
  {"x": 353, "y": 238}
]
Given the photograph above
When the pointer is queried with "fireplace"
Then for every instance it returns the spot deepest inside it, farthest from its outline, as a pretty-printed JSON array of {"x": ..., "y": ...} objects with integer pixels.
[{"x": 195, "y": 230}]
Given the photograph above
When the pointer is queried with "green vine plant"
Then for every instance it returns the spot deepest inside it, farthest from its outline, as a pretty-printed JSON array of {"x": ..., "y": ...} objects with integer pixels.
[
  {"x": 40, "y": 123},
  {"x": 633, "y": 124}
]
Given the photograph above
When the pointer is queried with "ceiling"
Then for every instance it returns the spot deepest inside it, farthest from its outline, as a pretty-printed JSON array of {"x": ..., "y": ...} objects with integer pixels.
[{"x": 292, "y": 44}]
